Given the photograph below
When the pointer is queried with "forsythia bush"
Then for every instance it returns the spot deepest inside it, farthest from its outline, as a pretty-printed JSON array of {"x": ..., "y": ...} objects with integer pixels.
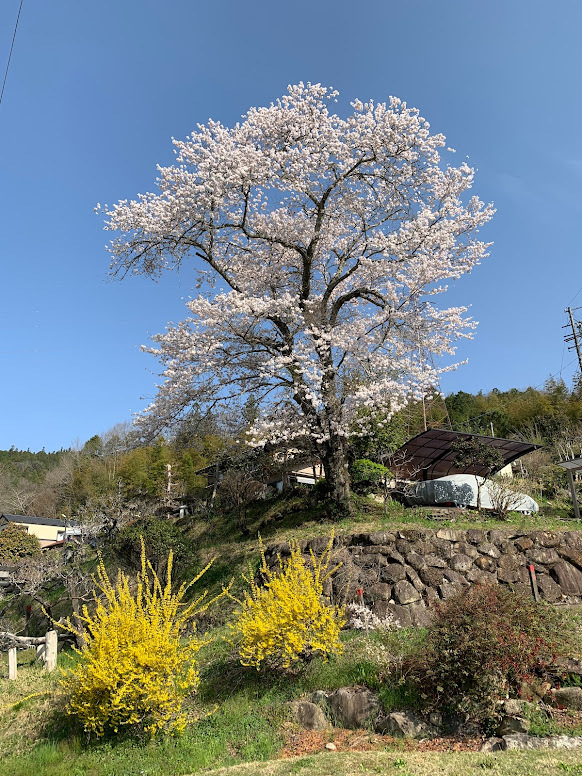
[
  {"x": 286, "y": 619},
  {"x": 134, "y": 669}
]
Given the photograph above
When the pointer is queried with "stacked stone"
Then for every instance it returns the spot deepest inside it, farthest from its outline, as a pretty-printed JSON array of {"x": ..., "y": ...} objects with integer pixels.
[{"x": 406, "y": 572}]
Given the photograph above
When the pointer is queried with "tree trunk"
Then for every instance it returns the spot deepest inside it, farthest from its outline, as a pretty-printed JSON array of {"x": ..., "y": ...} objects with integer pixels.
[{"x": 335, "y": 465}]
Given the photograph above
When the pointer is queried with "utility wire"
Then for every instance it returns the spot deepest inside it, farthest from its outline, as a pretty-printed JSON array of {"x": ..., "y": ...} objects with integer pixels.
[{"x": 10, "y": 54}]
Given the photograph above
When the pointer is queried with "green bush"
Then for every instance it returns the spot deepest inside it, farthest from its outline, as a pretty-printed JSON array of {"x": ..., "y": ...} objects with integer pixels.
[
  {"x": 160, "y": 537},
  {"x": 16, "y": 543},
  {"x": 484, "y": 646},
  {"x": 366, "y": 475}
]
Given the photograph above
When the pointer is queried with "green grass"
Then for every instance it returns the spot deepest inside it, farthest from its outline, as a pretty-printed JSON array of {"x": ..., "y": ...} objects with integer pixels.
[{"x": 417, "y": 764}]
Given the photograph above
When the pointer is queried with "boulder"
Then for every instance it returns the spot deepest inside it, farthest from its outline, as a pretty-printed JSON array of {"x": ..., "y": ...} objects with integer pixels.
[
  {"x": 435, "y": 562},
  {"x": 309, "y": 715},
  {"x": 568, "y": 698},
  {"x": 542, "y": 556},
  {"x": 414, "y": 579},
  {"x": 508, "y": 575},
  {"x": 485, "y": 564},
  {"x": 513, "y": 707},
  {"x": 461, "y": 562},
  {"x": 568, "y": 577},
  {"x": 378, "y": 592},
  {"x": 492, "y": 744},
  {"x": 572, "y": 555},
  {"x": 451, "y": 535},
  {"x": 420, "y": 615},
  {"x": 415, "y": 560},
  {"x": 393, "y": 572},
  {"x": 523, "y": 741},
  {"x": 382, "y": 537},
  {"x": 475, "y": 536},
  {"x": 432, "y": 577},
  {"x": 546, "y": 538},
  {"x": 523, "y": 543},
  {"x": 353, "y": 707},
  {"x": 404, "y": 723},
  {"x": 511, "y": 725},
  {"x": 405, "y": 593},
  {"x": 550, "y": 590},
  {"x": 486, "y": 548}
]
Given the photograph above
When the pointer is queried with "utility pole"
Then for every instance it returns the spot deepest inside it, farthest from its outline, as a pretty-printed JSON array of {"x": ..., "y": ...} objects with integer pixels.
[{"x": 575, "y": 336}]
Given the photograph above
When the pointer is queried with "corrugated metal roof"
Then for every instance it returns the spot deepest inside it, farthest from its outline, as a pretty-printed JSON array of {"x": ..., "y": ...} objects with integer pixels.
[{"x": 429, "y": 455}]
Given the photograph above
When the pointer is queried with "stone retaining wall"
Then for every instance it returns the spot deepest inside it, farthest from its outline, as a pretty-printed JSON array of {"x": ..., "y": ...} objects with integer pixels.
[{"x": 406, "y": 572}]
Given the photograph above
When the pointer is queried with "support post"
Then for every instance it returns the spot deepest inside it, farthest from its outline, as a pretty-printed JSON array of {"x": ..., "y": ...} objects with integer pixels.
[
  {"x": 573, "y": 492},
  {"x": 12, "y": 670},
  {"x": 50, "y": 656}
]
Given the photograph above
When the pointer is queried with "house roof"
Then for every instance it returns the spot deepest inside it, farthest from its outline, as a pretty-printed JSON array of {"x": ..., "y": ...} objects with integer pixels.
[
  {"x": 429, "y": 455},
  {"x": 34, "y": 520}
]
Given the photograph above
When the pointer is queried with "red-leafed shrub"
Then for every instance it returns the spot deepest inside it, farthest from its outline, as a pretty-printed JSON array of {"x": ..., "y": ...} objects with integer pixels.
[{"x": 483, "y": 647}]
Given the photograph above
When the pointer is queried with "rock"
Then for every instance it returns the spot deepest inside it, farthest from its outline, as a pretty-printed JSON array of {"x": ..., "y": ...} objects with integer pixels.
[
  {"x": 382, "y": 537},
  {"x": 509, "y": 561},
  {"x": 423, "y": 547},
  {"x": 378, "y": 592},
  {"x": 546, "y": 538},
  {"x": 572, "y": 555},
  {"x": 475, "y": 536},
  {"x": 331, "y": 746},
  {"x": 431, "y": 596},
  {"x": 393, "y": 572},
  {"x": 497, "y": 536},
  {"x": 309, "y": 715},
  {"x": 401, "y": 614},
  {"x": 534, "y": 691},
  {"x": 523, "y": 741},
  {"x": 485, "y": 564},
  {"x": 464, "y": 548},
  {"x": 492, "y": 744},
  {"x": 508, "y": 575},
  {"x": 513, "y": 707},
  {"x": 489, "y": 549},
  {"x": 403, "y": 723},
  {"x": 443, "y": 548},
  {"x": 573, "y": 539},
  {"x": 449, "y": 590},
  {"x": 436, "y": 719},
  {"x": 550, "y": 590},
  {"x": 353, "y": 707},
  {"x": 568, "y": 698},
  {"x": 431, "y": 577},
  {"x": 420, "y": 616},
  {"x": 568, "y": 577},
  {"x": 511, "y": 725},
  {"x": 435, "y": 562},
  {"x": 523, "y": 543},
  {"x": 405, "y": 593},
  {"x": 319, "y": 697},
  {"x": 414, "y": 579},
  {"x": 451, "y": 535},
  {"x": 318, "y": 545},
  {"x": 484, "y": 577},
  {"x": 415, "y": 560},
  {"x": 454, "y": 576},
  {"x": 461, "y": 562},
  {"x": 542, "y": 556}
]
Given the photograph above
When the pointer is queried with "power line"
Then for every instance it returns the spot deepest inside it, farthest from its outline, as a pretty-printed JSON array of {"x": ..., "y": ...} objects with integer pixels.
[{"x": 10, "y": 54}]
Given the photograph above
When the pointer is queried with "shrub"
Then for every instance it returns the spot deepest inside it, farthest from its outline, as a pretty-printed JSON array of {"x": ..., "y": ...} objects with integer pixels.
[
  {"x": 367, "y": 475},
  {"x": 287, "y": 620},
  {"x": 484, "y": 645},
  {"x": 160, "y": 537},
  {"x": 16, "y": 543},
  {"x": 135, "y": 671}
]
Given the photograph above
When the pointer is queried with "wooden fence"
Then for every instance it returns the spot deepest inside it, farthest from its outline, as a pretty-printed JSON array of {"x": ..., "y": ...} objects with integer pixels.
[{"x": 46, "y": 649}]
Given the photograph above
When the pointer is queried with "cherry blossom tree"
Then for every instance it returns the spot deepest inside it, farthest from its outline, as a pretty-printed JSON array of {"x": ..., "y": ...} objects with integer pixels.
[{"x": 317, "y": 245}]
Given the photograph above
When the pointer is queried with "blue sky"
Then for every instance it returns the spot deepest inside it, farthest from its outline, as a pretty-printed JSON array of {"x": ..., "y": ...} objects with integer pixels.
[{"x": 95, "y": 91}]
